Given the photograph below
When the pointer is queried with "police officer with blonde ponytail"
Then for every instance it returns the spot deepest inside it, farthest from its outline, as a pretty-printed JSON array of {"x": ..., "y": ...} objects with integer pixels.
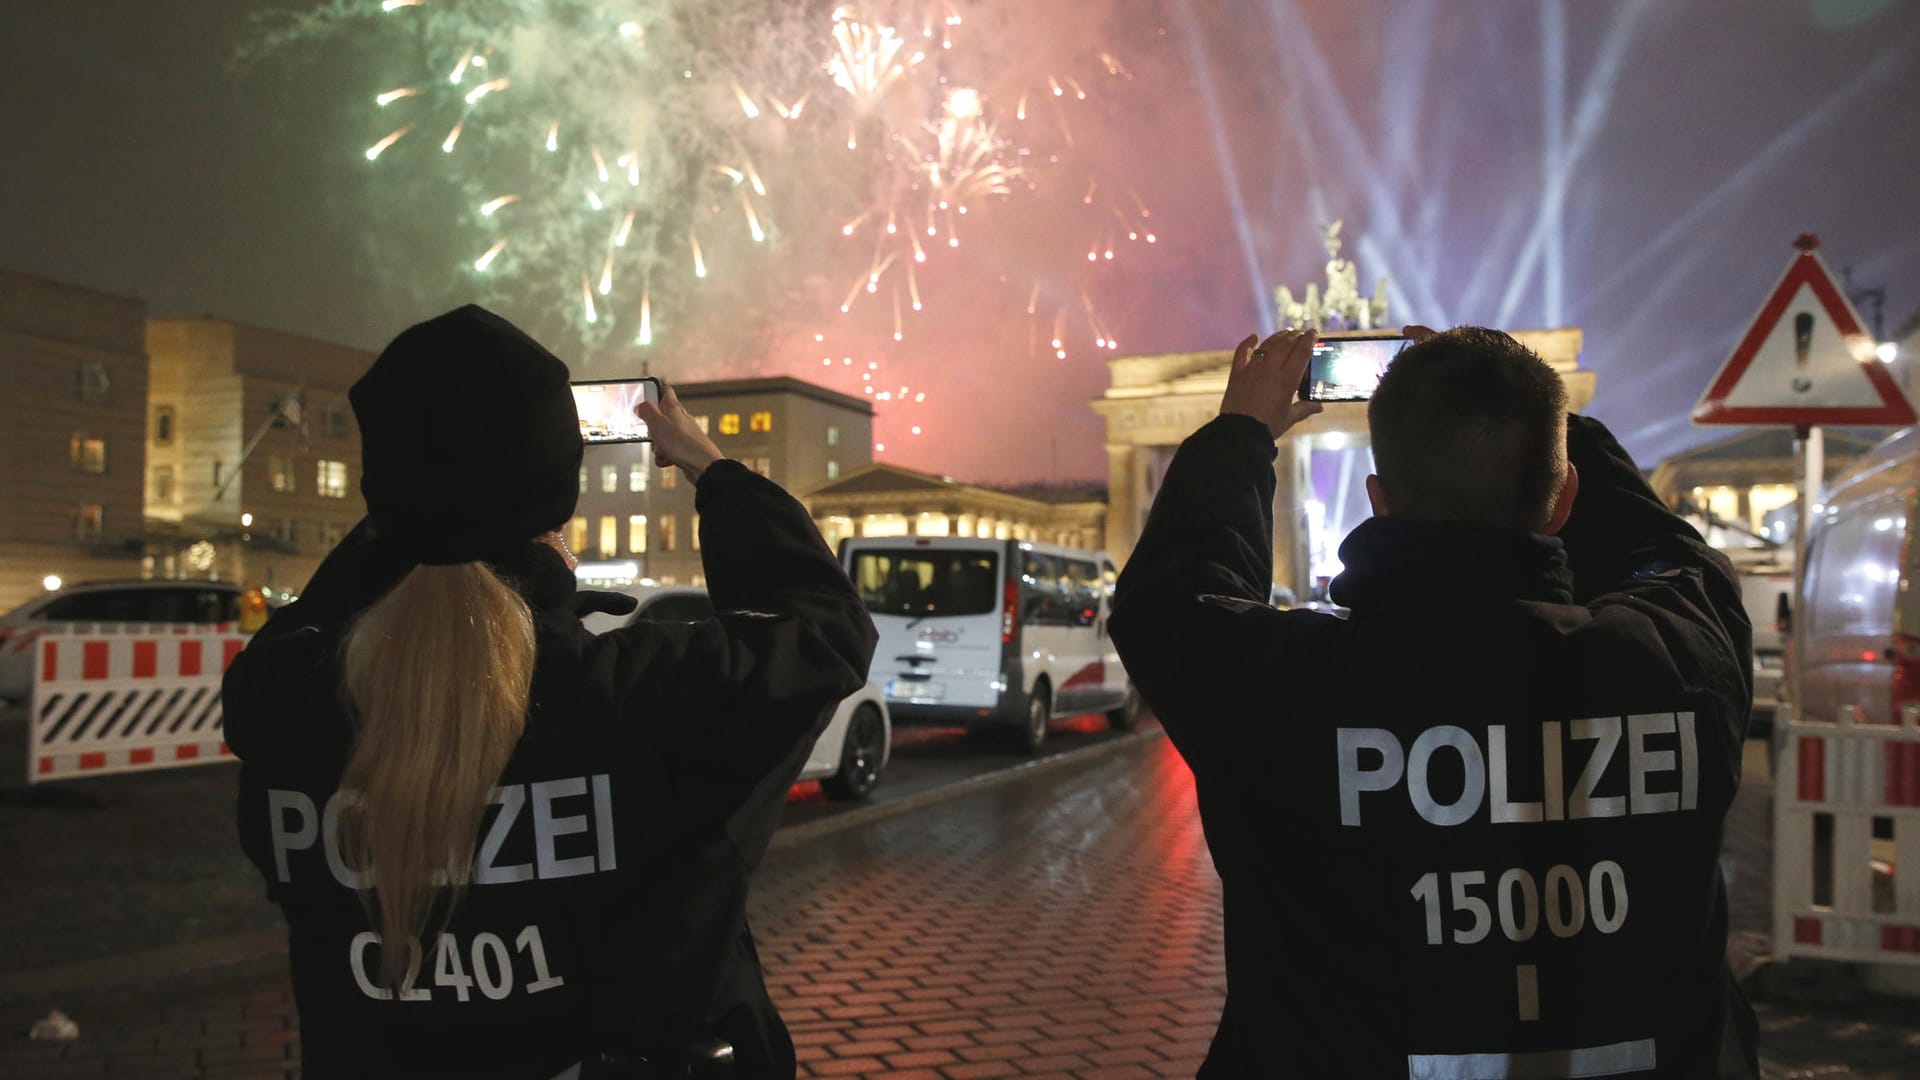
[{"x": 505, "y": 847}]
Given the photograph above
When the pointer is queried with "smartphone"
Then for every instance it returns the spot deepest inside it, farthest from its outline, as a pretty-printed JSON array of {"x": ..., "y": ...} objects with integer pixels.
[
  {"x": 606, "y": 409},
  {"x": 1348, "y": 368}
]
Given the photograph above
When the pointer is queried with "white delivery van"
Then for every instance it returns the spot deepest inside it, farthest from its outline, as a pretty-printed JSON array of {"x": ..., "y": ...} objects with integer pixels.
[
  {"x": 991, "y": 633},
  {"x": 1859, "y": 619}
]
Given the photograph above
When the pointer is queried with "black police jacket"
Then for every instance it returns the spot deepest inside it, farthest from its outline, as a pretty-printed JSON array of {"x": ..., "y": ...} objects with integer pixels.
[
  {"x": 608, "y": 910},
  {"x": 1471, "y": 830}
]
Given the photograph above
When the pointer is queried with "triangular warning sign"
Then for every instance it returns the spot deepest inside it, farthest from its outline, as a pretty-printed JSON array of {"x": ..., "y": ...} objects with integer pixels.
[{"x": 1805, "y": 361}]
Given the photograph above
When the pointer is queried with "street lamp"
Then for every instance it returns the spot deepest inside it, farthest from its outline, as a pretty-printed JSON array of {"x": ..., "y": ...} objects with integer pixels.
[{"x": 1887, "y": 351}]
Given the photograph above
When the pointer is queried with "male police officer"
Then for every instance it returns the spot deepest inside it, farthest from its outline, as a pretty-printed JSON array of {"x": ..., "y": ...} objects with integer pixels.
[{"x": 1471, "y": 830}]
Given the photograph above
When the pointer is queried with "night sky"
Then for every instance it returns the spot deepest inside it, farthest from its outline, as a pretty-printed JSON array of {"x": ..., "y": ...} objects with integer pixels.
[{"x": 1635, "y": 168}]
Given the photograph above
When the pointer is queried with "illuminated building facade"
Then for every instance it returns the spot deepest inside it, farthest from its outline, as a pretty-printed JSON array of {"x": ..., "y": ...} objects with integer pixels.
[
  {"x": 886, "y": 500},
  {"x": 252, "y": 455},
  {"x": 637, "y": 521},
  {"x": 72, "y": 427}
]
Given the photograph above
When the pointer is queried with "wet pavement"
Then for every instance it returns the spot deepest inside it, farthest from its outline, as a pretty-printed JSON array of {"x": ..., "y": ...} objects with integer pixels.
[
  {"x": 1063, "y": 922},
  {"x": 118, "y": 879}
]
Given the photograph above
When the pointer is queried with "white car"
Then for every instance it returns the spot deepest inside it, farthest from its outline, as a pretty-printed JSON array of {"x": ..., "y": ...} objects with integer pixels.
[
  {"x": 850, "y": 754},
  {"x": 106, "y": 602}
]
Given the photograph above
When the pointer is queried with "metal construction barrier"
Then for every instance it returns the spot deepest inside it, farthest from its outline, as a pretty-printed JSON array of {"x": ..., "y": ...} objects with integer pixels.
[
  {"x": 1846, "y": 841},
  {"x": 124, "y": 697}
]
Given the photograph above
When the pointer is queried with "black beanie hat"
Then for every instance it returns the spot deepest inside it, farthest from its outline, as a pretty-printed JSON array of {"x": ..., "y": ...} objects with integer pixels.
[{"x": 469, "y": 441}]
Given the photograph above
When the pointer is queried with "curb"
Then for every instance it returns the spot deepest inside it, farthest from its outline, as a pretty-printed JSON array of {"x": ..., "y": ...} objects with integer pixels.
[
  {"x": 266, "y": 949},
  {"x": 867, "y": 815}
]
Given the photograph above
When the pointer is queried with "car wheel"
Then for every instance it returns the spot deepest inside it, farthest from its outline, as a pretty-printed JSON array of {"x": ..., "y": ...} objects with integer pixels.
[
  {"x": 1033, "y": 734},
  {"x": 860, "y": 756},
  {"x": 1128, "y": 714}
]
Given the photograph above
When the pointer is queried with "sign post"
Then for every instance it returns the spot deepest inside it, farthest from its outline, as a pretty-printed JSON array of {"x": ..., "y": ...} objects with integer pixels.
[{"x": 1804, "y": 362}]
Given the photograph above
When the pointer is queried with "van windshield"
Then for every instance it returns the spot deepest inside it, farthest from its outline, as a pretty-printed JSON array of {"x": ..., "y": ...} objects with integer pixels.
[{"x": 922, "y": 582}]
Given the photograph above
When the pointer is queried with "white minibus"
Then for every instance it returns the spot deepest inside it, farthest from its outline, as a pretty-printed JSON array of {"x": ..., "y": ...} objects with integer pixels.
[{"x": 991, "y": 633}]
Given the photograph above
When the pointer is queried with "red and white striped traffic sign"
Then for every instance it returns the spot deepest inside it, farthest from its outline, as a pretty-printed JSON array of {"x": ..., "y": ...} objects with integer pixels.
[{"x": 1805, "y": 361}]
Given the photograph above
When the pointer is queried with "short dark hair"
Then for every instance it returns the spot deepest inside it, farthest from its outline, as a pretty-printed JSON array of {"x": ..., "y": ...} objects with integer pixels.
[{"x": 1470, "y": 426}]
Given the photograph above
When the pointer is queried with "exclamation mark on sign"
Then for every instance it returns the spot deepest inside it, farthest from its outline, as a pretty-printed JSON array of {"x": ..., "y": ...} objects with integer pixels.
[
  {"x": 1802, "y": 346},
  {"x": 1527, "y": 980}
]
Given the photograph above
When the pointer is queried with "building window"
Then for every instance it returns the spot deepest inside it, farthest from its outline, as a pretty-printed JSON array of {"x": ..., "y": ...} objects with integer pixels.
[
  {"x": 669, "y": 541},
  {"x": 609, "y": 536},
  {"x": 693, "y": 531},
  {"x": 280, "y": 474},
  {"x": 669, "y": 479},
  {"x": 331, "y": 479},
  {"x": 91, "y": 381},
  {"x": 287, "y": 530},
  {"x": 88, "y": 521},
  {"x": 219, "y": 470},
  {"x": 637, "y": 534},
  {"x": 760, "y": 421},
  {"x": 730, "y": 423},
  {"x": 833, "y": 434},
  {"x": 336, "y": 421},
  {"x": 637, "y": 476},
  {"x": 833, "y": 470},
  {"x": 163, "y": 483},
  {"x": 701, "y": 423},
  {"x": 163, "y": 426},
  {"x": 761, "y": 465},
  {"x": 583, "y": 479},
  {"x": 609, "y": 479},
  {"x": 89, "y": 454},
  {"x": 577, "y": 535},
  {"x": 331, "y": 533}
]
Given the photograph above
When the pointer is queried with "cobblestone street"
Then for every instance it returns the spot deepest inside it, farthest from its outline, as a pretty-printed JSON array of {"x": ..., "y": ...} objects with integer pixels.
[{"x": 1065, "y": 923}]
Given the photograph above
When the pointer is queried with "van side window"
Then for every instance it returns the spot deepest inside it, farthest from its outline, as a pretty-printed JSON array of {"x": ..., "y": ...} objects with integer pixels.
[
  {"x": 1855, "y": 572},
  {"x": 1083, "y": 592}
]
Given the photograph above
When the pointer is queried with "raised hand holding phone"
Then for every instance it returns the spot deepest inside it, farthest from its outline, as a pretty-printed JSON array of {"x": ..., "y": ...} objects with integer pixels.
[
  {"x": 1264, "y": 381},
  {"x": 677, "y": 439}
]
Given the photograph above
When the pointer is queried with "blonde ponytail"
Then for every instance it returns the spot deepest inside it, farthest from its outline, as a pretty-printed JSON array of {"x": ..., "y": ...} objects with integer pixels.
[{"x": 439, "y": 672}]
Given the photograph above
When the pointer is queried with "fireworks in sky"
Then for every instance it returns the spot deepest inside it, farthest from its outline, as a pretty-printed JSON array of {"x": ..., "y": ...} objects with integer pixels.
[{"x": 649, "y": 171}]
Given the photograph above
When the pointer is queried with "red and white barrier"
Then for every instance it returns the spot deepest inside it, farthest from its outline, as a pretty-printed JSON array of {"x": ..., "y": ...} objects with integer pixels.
[
  {"x": 1846, "y": 865},
  {"x": 122, "y": 697}
]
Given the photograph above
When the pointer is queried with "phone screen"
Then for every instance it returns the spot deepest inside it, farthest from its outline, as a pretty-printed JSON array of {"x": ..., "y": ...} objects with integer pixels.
[
  {"x": 1348, "y": 369},
  {"x": 606, "y": 409}
]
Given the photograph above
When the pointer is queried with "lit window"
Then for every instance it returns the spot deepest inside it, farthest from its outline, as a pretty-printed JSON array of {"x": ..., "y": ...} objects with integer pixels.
[
  {"x": 760, "y": 421},
  {"x": 163, "y": 483},
  {"x": 669, "y": 540},
  {"x": 833, "y": 434},
  {"x": 730, "y": 423},
  {"x": 762, "y": 465},
  {"x": 279, "y": 473},
  {"x": 577, "y": 534},
  {"x": 693, "y": 531},
  {"x": 163, "y": 426},
  {"x": 637, "y": 534},
  {"x": 833, "y": 470},
  {"x": 669, "y": 479},
  {"x": 609, "y": 536},
  {"x": 609, "y": 479},
  {"x": 701, "y": 423},
  {"x": 637, "y": 476},
  {"x": 583, "y": 479},
  {"x": 332, "y": 479},
  {"x": 88, "y": 522},
  {"x": 89, "y": 454}
]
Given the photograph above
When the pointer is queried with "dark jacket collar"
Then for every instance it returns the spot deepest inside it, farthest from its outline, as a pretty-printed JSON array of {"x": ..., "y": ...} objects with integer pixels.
[{"x": 1392, "y": 562}]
